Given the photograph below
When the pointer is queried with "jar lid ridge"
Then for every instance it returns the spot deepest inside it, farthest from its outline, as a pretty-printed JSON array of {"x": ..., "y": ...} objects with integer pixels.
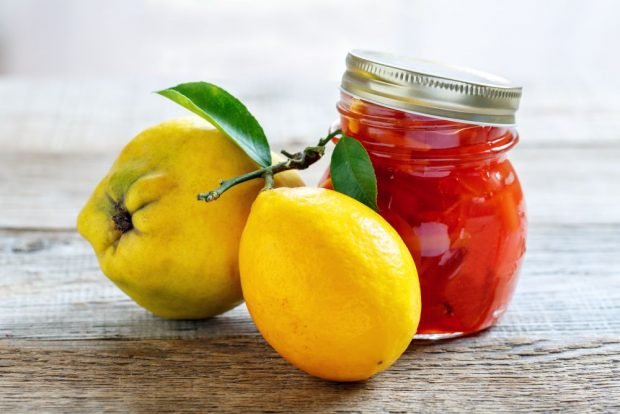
[{"x": 431, "y": 88}]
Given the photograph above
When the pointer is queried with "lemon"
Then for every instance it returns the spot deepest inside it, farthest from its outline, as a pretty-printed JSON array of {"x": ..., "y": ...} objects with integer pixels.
[
  {"x": 329, "y": 284},
  {"x": 173, "y": 255}
]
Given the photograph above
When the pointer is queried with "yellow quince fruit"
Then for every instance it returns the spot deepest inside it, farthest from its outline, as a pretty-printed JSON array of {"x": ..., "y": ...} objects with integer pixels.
[{"x": 171, "y": 254}]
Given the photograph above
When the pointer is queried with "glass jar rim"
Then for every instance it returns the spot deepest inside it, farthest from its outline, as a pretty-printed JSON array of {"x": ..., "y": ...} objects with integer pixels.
[{"x": 425, "y": 139}]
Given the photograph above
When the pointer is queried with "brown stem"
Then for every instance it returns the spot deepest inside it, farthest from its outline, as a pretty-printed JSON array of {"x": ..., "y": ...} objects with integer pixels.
[{"x": 297, "y": 161}]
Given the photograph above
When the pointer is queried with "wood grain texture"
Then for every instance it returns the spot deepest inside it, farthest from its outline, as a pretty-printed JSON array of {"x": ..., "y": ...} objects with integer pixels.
[
  {"x": 562, "y": 185},
  {"x": 70, "y": 341},
  {"x": 62, "y": 116},
  {"x": 51, "y": 288},
  {"x": 55, "y": 116},
  {"x": 242, "y": 374}
]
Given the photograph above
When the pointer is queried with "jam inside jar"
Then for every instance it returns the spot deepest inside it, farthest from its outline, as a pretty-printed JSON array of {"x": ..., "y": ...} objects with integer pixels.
[{"x": 448, "y": 189}]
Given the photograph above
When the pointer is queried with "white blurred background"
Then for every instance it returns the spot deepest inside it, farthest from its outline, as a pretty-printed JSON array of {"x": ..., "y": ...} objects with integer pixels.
[{"x": 566, "y": 54}]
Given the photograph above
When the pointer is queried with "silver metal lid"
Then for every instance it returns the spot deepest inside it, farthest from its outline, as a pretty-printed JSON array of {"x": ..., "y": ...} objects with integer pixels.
[{"x": 431, "y": 88}]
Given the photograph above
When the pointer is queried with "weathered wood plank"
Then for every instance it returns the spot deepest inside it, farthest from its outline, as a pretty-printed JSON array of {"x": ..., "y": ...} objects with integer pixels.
[
  {"x": 100, "y": 116},
  {"x": 570, "y": 185},
  {"x": 52, "y": 288},
  {"x": 72, "y": 341},
  {"x": 242, "y": 374}
]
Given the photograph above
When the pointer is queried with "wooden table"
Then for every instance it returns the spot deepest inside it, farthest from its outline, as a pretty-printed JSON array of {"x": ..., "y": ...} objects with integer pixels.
[{"x": 71, "y": 341}]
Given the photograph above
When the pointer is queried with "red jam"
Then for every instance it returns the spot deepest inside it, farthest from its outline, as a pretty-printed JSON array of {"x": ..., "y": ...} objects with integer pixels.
[{"x": 448, "y": 189}]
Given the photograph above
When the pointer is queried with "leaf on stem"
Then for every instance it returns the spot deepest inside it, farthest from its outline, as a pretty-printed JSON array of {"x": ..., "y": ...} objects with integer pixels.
[
  {"x": 226, "y": 113},
  {"x": 352, "y": 172}
]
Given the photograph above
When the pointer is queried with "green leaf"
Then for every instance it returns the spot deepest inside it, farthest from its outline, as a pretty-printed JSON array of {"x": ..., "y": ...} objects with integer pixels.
[
  {"x": 226, "y": 113},
  {"x": 352, "y": 172}
]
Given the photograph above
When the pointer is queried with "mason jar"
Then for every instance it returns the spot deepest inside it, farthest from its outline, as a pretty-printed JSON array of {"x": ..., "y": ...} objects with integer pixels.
[{"x": 438, "y": 137}]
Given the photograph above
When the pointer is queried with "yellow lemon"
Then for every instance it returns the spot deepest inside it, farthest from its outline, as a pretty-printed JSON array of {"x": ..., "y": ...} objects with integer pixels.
[
  {"x": 173, "y": 255},
  {"x": 329, "y": 284}
]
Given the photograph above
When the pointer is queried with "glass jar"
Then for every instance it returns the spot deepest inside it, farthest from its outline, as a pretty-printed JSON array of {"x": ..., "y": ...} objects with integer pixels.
[{"x": 444, "y": 182}]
